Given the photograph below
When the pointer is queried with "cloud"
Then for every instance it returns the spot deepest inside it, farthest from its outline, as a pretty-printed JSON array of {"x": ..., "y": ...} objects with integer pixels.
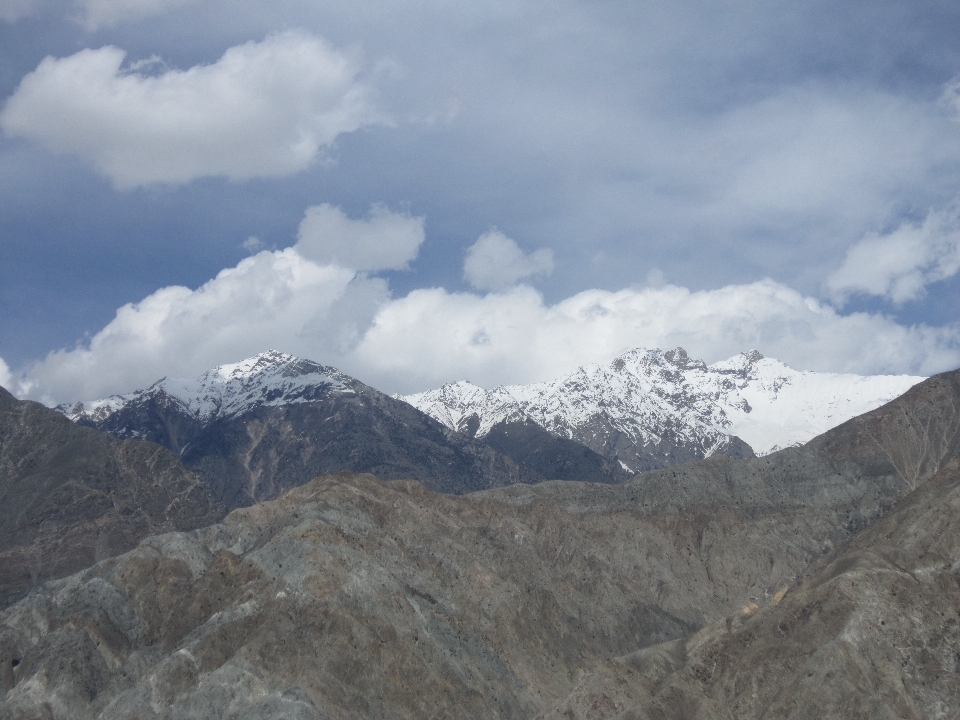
[
  {"x": 495, "y": 262},
  {"x": 433, "y": 336},
  {"x": 282, "y": 300},
  {"x": 253, "y": 245},
  {"x": 106, "y": 13},
  {"x": 274, "y": 299},
  {"x": 900, "y": 265},
  {"x": 264, "y": 109},
  {"x": 384, "y": 241},
  {"x": 13, "y": 10},
  {"x": 6, "y": 377}
]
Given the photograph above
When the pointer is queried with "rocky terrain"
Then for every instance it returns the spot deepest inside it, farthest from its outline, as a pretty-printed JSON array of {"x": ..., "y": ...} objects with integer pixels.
[
  {"x": 696, "y": 591},
  {"x": 872, "y": 633},
  {"x": 70, "y": 495},
  {"x": 262, "y": 426},
  {"x": 648, "y": 408}
]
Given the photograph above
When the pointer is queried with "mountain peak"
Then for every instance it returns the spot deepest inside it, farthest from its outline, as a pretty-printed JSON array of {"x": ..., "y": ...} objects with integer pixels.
[
  {"x": 269, "y": 378},
  {"x": 260, "y": 363},
  {"x": 678, "y": 358},
  {"x": 744, "y": 363}
]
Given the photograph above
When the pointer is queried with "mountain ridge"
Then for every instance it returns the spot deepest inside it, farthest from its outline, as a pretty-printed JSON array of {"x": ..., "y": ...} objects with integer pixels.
[
  {"x": 646, "y": 405},
  {"x": 268, "y": 423},
  {"x": 270, "y": 378}
]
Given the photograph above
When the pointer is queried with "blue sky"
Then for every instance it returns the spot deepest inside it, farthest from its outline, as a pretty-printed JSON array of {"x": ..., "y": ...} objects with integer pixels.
[{"x": 420, "y": 192}]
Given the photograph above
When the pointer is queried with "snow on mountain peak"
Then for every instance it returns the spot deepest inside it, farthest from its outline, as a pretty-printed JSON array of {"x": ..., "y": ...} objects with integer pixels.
[
  {"x": 270, "y": 378},
  {"x": 644, "y": 407},
  {"x": 655, "y": 398},
  {"x": 740, "y": 364}
]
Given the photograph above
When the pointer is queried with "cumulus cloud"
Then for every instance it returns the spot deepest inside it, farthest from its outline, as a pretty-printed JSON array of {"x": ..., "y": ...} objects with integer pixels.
[
  {"x": 264, "y": 109},
  {"x": 495, "y": 262},
  {"x": 900, "y": 265},
  {"x": 274, "y": 299},
  {"x": 106, "y": 13},
  {"x": 383, "y": 241},
  {"x": 282, "y": 300},
  {"x": 432, "y": 336}
]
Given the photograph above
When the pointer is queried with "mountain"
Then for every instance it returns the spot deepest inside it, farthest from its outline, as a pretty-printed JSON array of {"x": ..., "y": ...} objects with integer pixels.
[
  {"x": 256, "y": 428},
  {"x": 351, "y": 597},
  {"x": 648, "y": 408},
  {"x": 70, "y": 495},
  {"x": 872, "y": 632}
]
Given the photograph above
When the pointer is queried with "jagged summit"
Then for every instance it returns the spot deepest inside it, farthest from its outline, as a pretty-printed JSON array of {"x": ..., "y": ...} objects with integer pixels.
[
  {"x": 270, "y": 378},
  {"x": 655, "y": 402}
]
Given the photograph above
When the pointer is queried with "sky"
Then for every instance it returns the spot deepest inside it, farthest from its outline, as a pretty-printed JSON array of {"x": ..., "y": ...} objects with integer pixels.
[{"x": 423, "y": 192}]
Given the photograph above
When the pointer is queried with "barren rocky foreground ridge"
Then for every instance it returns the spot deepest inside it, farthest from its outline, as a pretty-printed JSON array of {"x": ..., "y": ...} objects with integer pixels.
[
  {"x": 819, "y": 581},
  {"x": 70, "y": 496}
]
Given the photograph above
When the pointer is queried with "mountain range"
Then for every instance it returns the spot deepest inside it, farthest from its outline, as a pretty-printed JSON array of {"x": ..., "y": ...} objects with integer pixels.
[
  {"x": 274, "y": 421},
  {"x": 820, "y": 580},
  {"x": 817, "y": 581},
  {"x": 261, "y": 426},
  {"x": 650, "y": 408}
]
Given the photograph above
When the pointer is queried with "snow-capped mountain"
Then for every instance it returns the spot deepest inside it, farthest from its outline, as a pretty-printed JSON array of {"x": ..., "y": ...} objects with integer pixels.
[
  {"x": 666, "y": 405},
  {"x": 269, "y": 379},
  {"x": 255, "y": 428}
]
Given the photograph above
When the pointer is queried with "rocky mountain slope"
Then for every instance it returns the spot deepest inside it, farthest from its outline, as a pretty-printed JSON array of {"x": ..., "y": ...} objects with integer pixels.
[
  {"x": 349, "y": 597},
  {"x": 872, "y": 633},
  {"x": 256, "y": 428},
  {"x": 70, "y": 495},
  {"x": 649, "y": 408}
]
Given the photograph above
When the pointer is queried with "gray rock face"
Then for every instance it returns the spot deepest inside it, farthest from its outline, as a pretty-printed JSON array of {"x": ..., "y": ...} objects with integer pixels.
[
  {"x": 379, "y": 600},
  {"x": 350, "y": 597},
  {"x": 375, "y": 599},
  {"x": 70, "y": 495},
  {"x": 552, "y": 457},
  {"x": 872, "y": 633}
]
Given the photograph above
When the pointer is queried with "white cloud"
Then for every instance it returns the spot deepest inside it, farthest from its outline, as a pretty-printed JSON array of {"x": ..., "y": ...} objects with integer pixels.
[
  {"x": 253, "y": 245},
  {"x": 106, "y": 13},
  {"x": 433, "y": 336},
  {"x": 273, "y": 299},
  {"x": 495, "y": 262},
  {"x": 6, "y": 378},
  {"x": 384, "y": 241},
  {"x": 900, "y": 265},
  {"x": 264, "y": 109},
  {"x": 282, "y": 300},
  {"x": 13, "y": 10}
]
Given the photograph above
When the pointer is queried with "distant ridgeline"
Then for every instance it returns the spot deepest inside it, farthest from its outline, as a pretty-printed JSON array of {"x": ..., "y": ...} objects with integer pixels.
[{"x": 274, "y": 421}]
